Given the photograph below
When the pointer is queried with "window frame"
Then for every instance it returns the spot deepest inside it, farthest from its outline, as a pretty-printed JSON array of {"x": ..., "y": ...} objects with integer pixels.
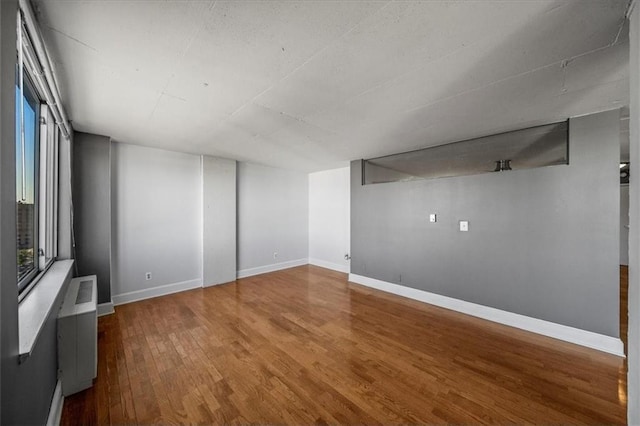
[
  {"x": 46, "y": 181},
  {"x": 29, "y": 90},
  {"x": 47, "y": 189},
  {"x": 52, "y": 128}
]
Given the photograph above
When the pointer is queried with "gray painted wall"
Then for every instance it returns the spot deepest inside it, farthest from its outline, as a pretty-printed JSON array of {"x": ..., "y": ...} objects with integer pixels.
[
  {"x": 624, "y": 223},
  {"x": 273, "y": 212},
  {"x": 157, "y": 210},
  {"x": 219, "y": 220},
  {"x": 329, "y": 218},
  {"x": 32, "y": 384},
  {"x": 542, "y": 242},
  {"x": 633, "y": 347},
  {"x": 92, "y": 209},
  {"x": 8, "y": 271},
  {"x": 65, "y": 177}
]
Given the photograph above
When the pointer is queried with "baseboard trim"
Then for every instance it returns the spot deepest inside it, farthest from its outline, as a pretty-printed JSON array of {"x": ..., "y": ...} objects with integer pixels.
[
  {"x": 577, "y": 336},
  {"x": 55, "y": 411},
  {"x": 149, "y": 293},
  {"x": 329, "y": 265},
  {"x": 105, "y": 309},
  {"x": 244, "y": 273}
]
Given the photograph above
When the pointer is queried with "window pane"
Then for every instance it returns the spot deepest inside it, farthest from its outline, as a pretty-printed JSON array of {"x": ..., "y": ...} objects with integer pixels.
[
  {"x": 46, "y": 188},
  {"x": 26, "y": 183}
]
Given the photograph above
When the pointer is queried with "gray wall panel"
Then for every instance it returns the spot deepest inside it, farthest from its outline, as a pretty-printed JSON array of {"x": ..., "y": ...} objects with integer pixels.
[
  {"x": 92, "y": 209},
  {"x": 65, "y": 177},
  {"x": 219, "y": 220},
  {"x": 624, "y": 224},
  {"x": 542, "y": 242},
  {"x": 8, "y": 261},
  {"x": 273, "y": 215},
  {"x": 34, "y": 381},
  {"x": 633, "y": 347},
  {"x": 157, "y": 209}
]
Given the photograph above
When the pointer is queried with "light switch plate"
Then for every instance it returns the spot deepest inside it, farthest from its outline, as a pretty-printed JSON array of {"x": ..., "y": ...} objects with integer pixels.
[
  {"x": 464, "y": 225},
  {"x": 433, "y": 218}
]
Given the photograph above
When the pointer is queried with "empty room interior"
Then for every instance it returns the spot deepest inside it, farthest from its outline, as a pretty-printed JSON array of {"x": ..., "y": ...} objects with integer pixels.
[{"x": 319, "y": 212}]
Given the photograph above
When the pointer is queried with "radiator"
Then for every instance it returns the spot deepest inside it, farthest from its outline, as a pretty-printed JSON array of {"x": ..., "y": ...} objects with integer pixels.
[{"x": 78, "y": 336}]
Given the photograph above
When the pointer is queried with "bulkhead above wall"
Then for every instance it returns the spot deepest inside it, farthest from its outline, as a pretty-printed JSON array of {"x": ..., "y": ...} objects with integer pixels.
[{"x": 540, "y": 146}]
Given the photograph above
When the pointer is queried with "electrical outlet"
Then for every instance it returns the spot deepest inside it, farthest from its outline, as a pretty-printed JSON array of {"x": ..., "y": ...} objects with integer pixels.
[
  {"x": 147, "y": 276},
  {"x": 433, "y": 218},
  {"x": 464, "y": 225},
  {"x": 275, "y": 254}
]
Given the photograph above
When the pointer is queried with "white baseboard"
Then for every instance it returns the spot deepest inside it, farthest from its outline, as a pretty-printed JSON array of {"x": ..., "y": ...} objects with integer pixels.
[
  {"x": 55, "y": 411},
  {"x": 329, "y": 265},
  {"x": 105, "y": 309},
  {"x": 589, "y": 339},
  {"x": 163, "y": 290},
  {"x": 244, "y": 273}
]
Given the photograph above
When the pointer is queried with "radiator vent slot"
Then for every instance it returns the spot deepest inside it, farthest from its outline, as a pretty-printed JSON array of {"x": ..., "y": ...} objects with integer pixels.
[{"x": 85, "y": 292}]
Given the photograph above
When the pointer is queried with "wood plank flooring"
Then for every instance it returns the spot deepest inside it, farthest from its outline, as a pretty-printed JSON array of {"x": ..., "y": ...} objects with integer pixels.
[
  {"x": 624, "y": 304},
  {"x": 304, "y": 346}
]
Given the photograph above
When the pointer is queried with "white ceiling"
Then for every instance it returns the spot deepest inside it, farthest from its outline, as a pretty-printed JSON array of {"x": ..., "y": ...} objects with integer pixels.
[{"x": 311, "y": 85}]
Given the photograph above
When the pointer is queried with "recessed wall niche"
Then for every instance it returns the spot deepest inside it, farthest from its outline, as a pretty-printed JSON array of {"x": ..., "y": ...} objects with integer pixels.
[{"x": 540, "y": 146}]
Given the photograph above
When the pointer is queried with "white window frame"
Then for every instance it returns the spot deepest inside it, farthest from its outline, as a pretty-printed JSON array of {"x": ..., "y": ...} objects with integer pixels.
[
  {"x": 46, "y": 170},
  {"x": 47, "y": 195}
]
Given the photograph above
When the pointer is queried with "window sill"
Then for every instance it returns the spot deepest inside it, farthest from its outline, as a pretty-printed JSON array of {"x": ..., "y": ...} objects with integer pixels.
[{"x": 36, "y": 307}]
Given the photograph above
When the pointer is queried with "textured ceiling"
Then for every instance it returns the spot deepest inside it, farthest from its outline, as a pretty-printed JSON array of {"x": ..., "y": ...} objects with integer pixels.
[{"x": 311, "y": 85}]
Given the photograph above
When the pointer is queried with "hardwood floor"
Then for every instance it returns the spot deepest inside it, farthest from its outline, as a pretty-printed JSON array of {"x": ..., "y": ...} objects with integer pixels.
[
  {"x": 624, "y": 304},
  {"x": 304, "y": 346}
]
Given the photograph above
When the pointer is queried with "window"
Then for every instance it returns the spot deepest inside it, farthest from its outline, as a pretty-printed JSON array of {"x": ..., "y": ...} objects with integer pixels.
[
  {"x": 27, "y": 156},
  {"x": 36, "y": 142},
  {"x": 48, "y": 187}
]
